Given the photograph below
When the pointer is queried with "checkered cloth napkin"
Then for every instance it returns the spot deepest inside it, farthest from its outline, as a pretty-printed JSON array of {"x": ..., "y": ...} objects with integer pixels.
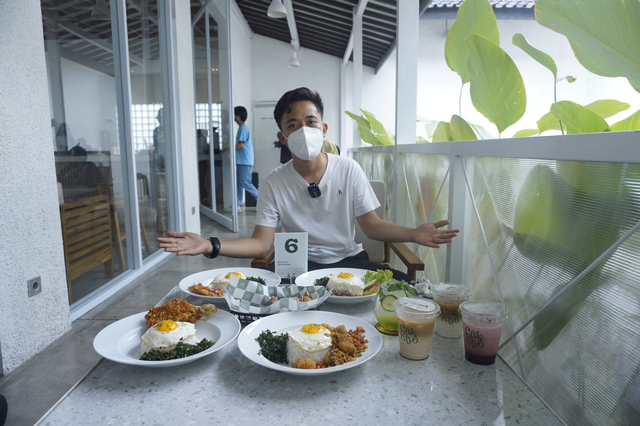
[{"x": 250, "y": 297}]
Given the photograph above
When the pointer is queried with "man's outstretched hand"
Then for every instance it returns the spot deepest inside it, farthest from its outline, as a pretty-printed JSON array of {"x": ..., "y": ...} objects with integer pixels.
[
  {"x": 429, "y": 235},
  {"x": 184, "y": 243}
]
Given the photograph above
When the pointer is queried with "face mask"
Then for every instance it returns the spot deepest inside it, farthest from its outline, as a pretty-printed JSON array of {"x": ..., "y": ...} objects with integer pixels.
[{"x": 305, "y": 143}]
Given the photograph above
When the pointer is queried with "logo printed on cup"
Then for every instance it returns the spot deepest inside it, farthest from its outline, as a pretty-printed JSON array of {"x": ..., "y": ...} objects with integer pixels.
[
  {"x": 473, "y": 338},
  {"x": 408, "y": 334},
  {"x": 450, "y": 316}
]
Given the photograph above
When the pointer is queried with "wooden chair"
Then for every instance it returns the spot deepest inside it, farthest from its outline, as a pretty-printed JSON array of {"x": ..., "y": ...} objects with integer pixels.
[
  {"x": 379, "y": 252},
  {"x": 86, "y": 235},
  {"x": 119, "y": 232}
]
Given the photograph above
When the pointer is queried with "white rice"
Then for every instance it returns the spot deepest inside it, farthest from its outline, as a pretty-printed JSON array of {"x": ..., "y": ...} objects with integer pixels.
[
  {"x": 295, "y": 352},
  {"x": 192, "y": 340}
]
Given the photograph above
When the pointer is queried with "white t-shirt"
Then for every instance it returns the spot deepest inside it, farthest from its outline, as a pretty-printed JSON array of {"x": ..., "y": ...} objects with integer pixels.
[{"x": 330, "y": 218}]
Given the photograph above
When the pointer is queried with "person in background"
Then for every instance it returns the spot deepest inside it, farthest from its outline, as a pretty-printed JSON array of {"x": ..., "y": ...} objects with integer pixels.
[
  {"x": 244, "y": 156},
  {"x": 329, "y": 147},
  {"x": 318, "y": 193},
  {"x": 203, "y": 163},
  {"x": 63, "y": 139},
  {"x": 158, "y": 142},
  {"x": 79, "y": 176}
]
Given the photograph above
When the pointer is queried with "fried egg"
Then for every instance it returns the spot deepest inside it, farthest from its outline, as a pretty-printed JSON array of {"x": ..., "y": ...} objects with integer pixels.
[
  {"x": 221, "y": 281},
  {"x": 165, "y": 335},
  {"x": 310, "y": 341},
  {"x": 345, "y": 283}
]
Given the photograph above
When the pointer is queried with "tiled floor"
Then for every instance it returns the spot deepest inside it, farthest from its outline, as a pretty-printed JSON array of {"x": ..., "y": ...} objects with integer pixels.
[{"x": 37, "y": 385}]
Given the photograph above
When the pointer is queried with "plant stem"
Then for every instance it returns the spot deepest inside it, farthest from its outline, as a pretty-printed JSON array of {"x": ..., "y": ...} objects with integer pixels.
[{"x": 555, "y": 100}]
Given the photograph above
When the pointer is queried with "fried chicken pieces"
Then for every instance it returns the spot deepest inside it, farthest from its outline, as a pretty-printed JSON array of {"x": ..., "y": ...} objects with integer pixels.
[{"x": 179, "y": 310}]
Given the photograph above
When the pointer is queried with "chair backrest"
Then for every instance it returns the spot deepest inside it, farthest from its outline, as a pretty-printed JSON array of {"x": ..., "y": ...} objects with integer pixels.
[
  {"x": 86, "y": 234},
  {"x": 375, "y": 249}
]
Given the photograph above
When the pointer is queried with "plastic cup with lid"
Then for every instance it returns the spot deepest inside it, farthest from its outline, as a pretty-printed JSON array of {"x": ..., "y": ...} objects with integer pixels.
[
  {"x": 482, "y": 325},
  {"x": 449, "y": 297},
  {"x": 416, "y": 321}
]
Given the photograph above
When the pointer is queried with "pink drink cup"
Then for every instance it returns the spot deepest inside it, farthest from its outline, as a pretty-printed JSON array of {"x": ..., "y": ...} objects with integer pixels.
[{"x": 482, "y": 327}]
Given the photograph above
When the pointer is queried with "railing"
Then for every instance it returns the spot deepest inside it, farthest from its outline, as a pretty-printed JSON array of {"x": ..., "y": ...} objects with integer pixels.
[{"x": 549, "y": 228}]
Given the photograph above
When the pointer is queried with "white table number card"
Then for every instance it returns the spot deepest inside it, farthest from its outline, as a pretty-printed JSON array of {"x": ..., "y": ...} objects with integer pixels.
[{"x": 291, "y": 254}]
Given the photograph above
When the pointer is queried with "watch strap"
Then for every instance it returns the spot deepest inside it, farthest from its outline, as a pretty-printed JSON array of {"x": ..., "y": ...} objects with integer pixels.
[{"x": 215, "y": 243}]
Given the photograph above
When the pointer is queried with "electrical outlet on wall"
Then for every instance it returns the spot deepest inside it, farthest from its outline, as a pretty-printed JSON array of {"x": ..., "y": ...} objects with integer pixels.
[{"x": 34, "y": 286}]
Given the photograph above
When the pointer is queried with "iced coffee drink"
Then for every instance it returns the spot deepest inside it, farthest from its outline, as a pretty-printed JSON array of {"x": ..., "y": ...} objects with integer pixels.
[
  {"x": 416, "y": 321},
  {"x": 449, "y": 297},
  {"x": 482, "y": 327}
]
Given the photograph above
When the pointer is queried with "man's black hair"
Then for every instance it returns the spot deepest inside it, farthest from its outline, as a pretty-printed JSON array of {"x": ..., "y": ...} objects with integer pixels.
[
  {"x": 241, "y": 112},
  {"x": 300, "y": 94}
]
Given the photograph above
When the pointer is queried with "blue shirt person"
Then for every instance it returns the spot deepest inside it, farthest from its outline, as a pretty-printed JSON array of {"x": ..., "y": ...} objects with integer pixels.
[{"x": 244, "y": 156}]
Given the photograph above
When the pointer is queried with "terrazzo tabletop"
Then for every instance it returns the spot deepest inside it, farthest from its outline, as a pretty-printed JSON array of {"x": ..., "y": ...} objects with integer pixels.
[{"x": 226, "y": 388}]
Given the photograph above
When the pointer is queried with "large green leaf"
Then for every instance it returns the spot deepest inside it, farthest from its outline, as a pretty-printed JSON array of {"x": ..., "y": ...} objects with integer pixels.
[
  {"x": 578, "y": 119},
  {"x": 525, "y": 133},
  {"x": 376, "y": 126},
  {"x": 430, "y": 127},
  {"x": 442, "y": 133},
  {"x": 606, "y": 108},
  {"x": 360, "y": 120},
  {"x": 460, "y": 130},
  {"x": 604, "y": 34},
  {"x": 384, "y": 140},
  {"x": 481, "y": 132},
  {"x": 629, "y": 123},
  {"x": 497, "y": 89},
  {"x": 548, "y": 122},
  {"x": 368, "y": 136},
  {"x": 541, "y": 57},
  {"x": 474, "y": 17}
]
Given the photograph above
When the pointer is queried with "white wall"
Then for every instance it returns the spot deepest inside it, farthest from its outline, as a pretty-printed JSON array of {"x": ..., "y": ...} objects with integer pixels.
[
  {"x": 89, "y": 103},
  {"x": 439, "y": 87},
  {"x": 240, "y": 64},
  {"x": 271, "y": 77},
  {"x": 29, "y": 217}
]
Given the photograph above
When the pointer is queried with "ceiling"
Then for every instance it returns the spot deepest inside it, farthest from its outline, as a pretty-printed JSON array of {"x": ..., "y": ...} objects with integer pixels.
[
  {"x": 325, "y": 26},
  {"x": 82, "y": 30}
]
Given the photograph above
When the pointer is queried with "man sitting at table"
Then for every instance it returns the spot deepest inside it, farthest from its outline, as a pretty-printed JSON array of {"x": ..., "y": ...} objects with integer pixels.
[{"x": 318, "y": 193}]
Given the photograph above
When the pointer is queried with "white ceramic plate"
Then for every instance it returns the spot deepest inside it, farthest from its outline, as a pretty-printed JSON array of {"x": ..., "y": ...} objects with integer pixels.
[
  {"x": 308, "y": 278},
  {"x": 280, "y": 323},
  {"x": 205, "y": 277},
  {"x": 120, "y": 341}
]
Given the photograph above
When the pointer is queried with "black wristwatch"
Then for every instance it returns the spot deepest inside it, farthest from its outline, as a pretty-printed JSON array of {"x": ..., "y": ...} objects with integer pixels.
[{"x": 215, "y": 243}]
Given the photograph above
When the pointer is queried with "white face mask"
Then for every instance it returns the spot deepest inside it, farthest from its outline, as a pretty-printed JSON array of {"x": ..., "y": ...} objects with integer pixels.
[{"x": 305, "y": 143}]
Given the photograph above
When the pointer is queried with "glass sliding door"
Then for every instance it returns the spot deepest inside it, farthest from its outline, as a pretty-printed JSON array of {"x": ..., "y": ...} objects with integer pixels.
[
  {"x": 85, "y": 137},
  {"x": 150, "y": 120},
  {"x": 212, "y": 75}
]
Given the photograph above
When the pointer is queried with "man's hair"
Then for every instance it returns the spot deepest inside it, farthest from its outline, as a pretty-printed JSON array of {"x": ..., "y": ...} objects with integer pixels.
[
  {"x": 241, "y": 112},
  {"x": 300, "y": 94}
]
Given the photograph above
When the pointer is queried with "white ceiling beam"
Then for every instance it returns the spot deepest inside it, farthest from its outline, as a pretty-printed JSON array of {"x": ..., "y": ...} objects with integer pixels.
[
  {"x": 88, "y": 37},
  {"x": 293, "y": 29},
  {"x": 359, "y": 11}
]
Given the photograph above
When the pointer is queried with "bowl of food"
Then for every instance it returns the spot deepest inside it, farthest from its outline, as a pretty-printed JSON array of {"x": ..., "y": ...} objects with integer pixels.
[
  {"x": 348, "y": 285},
  {"x": 309, "y": 342}
]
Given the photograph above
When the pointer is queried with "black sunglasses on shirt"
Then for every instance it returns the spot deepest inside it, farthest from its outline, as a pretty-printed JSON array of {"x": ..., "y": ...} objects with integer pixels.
[{"x": 314, "y": 190}]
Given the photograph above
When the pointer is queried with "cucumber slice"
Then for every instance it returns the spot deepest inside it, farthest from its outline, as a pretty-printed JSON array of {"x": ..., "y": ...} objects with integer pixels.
[{"x": 387, "y": 303}]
